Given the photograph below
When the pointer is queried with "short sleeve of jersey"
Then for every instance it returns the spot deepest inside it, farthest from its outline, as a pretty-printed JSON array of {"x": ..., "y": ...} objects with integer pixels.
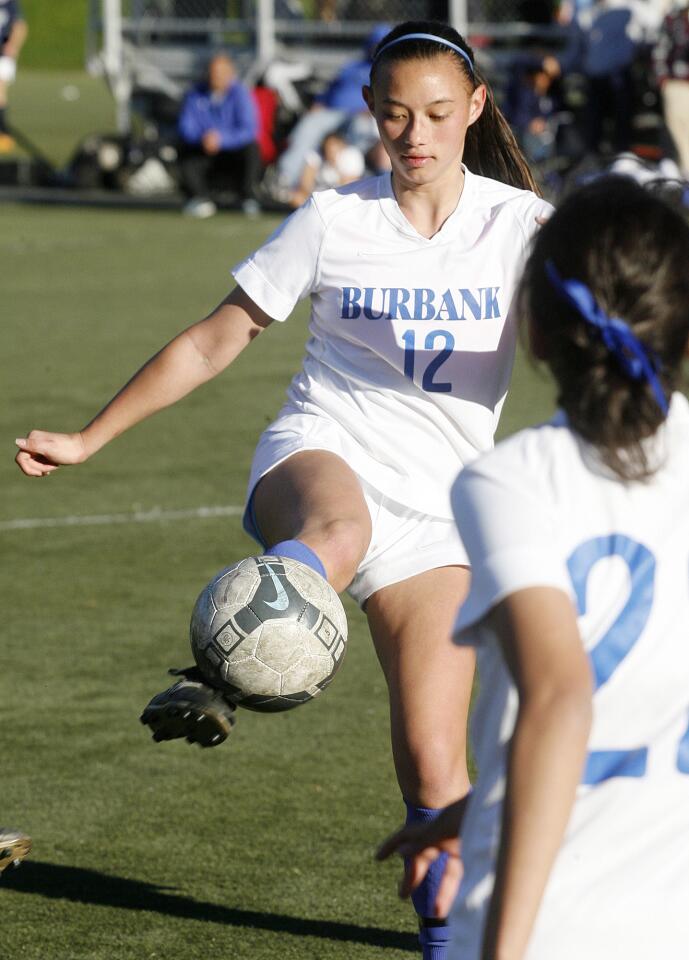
[
  {"x": 509, "y": 532},
  {"x": 534, "y": 208},
  {"x": 284, "y": 270}
]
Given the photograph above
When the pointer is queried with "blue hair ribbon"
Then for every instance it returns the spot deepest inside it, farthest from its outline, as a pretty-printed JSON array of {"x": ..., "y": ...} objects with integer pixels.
[
  {"x": 428, "y": 36},
  {"x": 637, "y": 361}
]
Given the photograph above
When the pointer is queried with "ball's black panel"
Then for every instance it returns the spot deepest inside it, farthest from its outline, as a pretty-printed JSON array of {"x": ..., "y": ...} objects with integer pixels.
[
  {"x": 275, "y": 704},
  {"x": 275, "y": 598},
  {"x": 310, "y": 615},
  {"x": 246, "y": 620}
]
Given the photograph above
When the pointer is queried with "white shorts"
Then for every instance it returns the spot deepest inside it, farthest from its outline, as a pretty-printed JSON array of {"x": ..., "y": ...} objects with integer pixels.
[{"x": 403, "y": 543}]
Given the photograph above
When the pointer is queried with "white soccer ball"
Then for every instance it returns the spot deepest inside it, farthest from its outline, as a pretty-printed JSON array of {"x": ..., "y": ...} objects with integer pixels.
[{"x": 269, "y": 632}]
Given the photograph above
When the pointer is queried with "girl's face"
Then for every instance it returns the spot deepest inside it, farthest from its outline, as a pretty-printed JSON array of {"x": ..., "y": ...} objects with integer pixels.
[{"x": 423, "y": 109}]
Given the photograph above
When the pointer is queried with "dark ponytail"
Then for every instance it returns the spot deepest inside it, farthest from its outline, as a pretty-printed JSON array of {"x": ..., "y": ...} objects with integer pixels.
[
  {"x": 631, "y": 250},
  {"x": 490, "y": 149}
]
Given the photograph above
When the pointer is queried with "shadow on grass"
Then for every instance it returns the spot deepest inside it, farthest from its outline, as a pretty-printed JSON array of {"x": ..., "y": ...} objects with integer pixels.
[{"x": 100, "y": 889}]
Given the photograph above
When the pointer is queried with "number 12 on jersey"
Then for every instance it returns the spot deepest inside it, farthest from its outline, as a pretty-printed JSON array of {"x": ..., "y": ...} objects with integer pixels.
[{"x": 428, "y": 380}]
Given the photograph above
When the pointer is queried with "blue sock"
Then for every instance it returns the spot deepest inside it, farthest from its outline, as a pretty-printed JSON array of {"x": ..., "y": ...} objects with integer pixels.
[
  {"x": 434, "y": 935},
  {"x": 298, "y": 551}
]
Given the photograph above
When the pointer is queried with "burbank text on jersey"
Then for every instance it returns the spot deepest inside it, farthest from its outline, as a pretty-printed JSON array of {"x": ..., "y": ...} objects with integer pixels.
[{"x": 420, "y": 303}]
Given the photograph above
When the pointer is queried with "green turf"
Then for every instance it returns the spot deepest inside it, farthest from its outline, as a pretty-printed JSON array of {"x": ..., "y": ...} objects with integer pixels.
[
  {"x": 262, "y": 847},
  {"x": 256, "y": 848},
  {"x": 57, "y": 33}
]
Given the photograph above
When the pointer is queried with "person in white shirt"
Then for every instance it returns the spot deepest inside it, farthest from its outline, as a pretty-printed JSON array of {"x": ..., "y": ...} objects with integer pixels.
[
  {"x": 410, "y": 277},
  {"x": 336, "y": 164},
  {"x": 575, "y": 840},
  {"x": 13, "y": 33}
]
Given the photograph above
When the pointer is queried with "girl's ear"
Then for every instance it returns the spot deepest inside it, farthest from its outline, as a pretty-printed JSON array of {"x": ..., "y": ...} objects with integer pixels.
[
  {"x": 478, "y": 102},
  {"x": 367, "y": 94}
]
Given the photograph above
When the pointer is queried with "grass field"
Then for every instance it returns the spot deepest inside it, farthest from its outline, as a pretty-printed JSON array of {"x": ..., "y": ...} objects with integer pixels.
[
  {"x": 57, "y": 110},
  {"x": 263, "y": 847},
  {"x": 57, "y": 34}
]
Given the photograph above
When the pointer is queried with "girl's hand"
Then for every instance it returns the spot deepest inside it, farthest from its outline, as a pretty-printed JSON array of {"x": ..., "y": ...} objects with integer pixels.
[
  {"x": 41, "y": 453},
  {"x": 420, "y": 845}
]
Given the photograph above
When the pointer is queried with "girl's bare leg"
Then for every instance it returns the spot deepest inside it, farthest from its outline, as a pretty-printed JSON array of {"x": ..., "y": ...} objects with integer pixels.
[
  {"x": 315, "y": 497},
  {"x": 429, "y": 683}
]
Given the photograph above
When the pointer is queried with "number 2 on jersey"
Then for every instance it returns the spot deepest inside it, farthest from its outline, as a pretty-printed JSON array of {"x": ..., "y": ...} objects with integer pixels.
[
  {"x": 428, "y": 383},
  {"x": 618, "y": 641}
]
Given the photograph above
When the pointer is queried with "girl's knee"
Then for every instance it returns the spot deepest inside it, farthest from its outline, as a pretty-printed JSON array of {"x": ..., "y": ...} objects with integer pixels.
[{"x": 341, "y": 543}]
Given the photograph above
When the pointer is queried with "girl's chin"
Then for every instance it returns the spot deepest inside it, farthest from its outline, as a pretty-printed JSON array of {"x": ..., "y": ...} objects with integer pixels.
[{"x": 414, "y": 171}]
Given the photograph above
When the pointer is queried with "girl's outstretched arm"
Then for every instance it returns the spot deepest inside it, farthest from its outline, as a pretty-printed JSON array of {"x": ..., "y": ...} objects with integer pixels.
[
  {"x": 538, "y": 632},
  {"x": 196, "y": 355}
]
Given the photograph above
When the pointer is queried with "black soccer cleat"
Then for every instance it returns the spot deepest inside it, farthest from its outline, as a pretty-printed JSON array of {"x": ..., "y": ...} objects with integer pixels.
[
  {"x": 190, "y": 709},
  {"x": 14, "y": 847}
]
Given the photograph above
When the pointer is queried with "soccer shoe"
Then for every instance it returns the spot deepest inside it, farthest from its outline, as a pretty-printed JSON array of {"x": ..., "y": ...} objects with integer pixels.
[
  {"x": 190, "y": 709},
  {"x": 200, "y": 208},
  {"x": 251, "y": 207},
  {"x": 14, "y": 847}
]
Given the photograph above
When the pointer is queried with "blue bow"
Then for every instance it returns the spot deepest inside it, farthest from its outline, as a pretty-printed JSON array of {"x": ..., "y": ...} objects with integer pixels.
[{"x": 637, "y": 361}]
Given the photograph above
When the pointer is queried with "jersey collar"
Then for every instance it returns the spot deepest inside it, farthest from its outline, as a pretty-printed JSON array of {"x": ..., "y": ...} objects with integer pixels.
[{"x": 459, "y": 225}]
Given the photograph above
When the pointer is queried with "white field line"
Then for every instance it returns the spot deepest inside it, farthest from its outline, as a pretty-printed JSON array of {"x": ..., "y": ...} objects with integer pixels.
[{"x": 109, "y": 519}]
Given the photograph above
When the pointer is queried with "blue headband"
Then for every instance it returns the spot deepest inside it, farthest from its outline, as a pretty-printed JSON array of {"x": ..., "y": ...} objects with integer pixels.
[
  {"x": 428, "y": 36},
  {"x": 636, "y": 360}
]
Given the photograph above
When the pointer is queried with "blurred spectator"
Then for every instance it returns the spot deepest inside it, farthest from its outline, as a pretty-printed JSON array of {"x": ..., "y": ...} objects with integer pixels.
[
  {"x": 530, "y": 107},
  {"x": 218, "y": 126},
  {"x": 337, "y": 164},
  {"x": 340, "y": 103},
  {"x": 614, "y": 31},
  {"x": 570, "y": 55},
  {"x": 535, "y": 99},
  {"x": 644, "y": 171},
  {"x": 13, "y": 32},
  {"x": 671, "y": 60}
]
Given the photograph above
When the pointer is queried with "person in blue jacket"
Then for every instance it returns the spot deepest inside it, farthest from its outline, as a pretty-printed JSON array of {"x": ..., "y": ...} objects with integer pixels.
[{"x": 218, "y": 128}]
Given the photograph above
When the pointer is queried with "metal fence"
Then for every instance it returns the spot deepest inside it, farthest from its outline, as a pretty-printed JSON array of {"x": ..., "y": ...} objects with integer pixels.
[{"x": 164, "y": 44}]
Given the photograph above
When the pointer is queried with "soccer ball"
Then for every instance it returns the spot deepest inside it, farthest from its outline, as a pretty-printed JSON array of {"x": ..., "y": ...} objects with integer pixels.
[{"x": 269, "y": 632}]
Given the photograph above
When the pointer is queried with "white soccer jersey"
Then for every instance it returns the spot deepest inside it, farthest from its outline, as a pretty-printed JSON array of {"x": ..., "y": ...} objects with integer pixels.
[
  {"x": 411, "y": 340},
  {"x": 541, "y": 511}
]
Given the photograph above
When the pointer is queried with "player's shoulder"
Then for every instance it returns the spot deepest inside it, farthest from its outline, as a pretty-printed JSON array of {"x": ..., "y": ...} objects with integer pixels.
[
  {"x": 502, "y": 198},
  {"x": 531, "y": 455},
  {"x": 553, "y": 456},
  {"x": 348, "y": 200}
]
